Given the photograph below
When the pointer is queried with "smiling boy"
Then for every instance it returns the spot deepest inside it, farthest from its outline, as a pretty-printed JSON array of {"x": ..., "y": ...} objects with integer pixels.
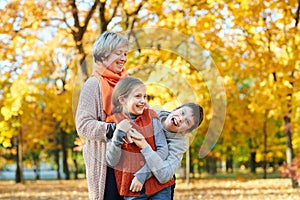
[{"x": 176, "y": 125}]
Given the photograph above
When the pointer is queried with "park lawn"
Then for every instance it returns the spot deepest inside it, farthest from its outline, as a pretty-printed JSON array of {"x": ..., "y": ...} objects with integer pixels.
[{"x": 229, "y": 189}]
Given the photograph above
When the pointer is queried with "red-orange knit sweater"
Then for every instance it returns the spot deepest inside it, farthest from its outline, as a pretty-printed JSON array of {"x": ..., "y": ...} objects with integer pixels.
[{"x": 132, "y": 160}]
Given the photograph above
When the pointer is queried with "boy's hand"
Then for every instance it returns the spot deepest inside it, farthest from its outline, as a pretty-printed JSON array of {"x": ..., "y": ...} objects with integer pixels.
[
  {"x": 138, "y": 138},
  {"x": 136, "y": 185},
  {"x": 128, "y": 138},
  {"x": 135, "y": 134}
]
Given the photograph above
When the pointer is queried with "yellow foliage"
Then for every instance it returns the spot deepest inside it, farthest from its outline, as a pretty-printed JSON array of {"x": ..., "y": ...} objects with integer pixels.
[
  {"x": 6, "y": 143},
  {"x": 254, "y": 44}
]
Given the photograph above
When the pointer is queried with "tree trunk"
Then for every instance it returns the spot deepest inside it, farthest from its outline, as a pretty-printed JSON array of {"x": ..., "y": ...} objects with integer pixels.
[
  {"x": 102, "y": 19},
  {"x": 290, "y": 151},
  {"x": 65, "y": 154},
  {"x": 253, "y": 162},
  {"x": 76, "y": 169},
  {"x": 37, "y": 169},
  {"x": 187, "y": 167},
  {"x": 19, "y": 170},
  {"x": 57, "y": 164},
  {"x": 265, "y": 148},
  {"x": 211, "y": 164},
  {"x": 229, "y": 160},
  {"x": 78, "y": 35},
  {"x": 82, "y": 61}
]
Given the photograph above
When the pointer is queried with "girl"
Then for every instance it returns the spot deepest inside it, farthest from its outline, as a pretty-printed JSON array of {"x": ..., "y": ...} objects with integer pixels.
[{"x": 129, "y": 103}]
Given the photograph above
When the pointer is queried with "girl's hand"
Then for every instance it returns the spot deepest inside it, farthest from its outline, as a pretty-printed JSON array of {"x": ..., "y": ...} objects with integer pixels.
[{"x": 136, "y": 185}]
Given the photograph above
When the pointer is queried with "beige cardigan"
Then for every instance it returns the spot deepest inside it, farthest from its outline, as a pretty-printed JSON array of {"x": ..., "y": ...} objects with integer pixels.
[{"x": 90, "y": 126}]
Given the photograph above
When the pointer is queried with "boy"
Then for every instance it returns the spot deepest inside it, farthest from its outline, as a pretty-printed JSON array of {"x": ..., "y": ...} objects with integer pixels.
[{"x": 176, "y": 124}]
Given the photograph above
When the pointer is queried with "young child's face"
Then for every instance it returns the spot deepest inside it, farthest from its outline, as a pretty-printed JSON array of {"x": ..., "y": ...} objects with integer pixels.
[
  {"x": 136, "y": 101},
  {"x": 180, "y": 120}
]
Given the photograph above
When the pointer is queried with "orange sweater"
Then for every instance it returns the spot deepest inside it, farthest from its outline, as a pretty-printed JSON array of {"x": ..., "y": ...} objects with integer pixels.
[{"x": 132, "y": 160}]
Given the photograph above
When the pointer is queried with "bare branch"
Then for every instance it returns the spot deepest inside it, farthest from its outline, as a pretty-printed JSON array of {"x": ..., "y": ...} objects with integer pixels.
[
  {"x": 103, "y": 21},
  {"x": 137, "y": 9},
  {"x": 89, "y": 15},
  {"x": 75, "y": 12},
  {"x": 115, "y": 10},
  {"x": 297, "y": 14},
  {"x": 134, "y": 14}
]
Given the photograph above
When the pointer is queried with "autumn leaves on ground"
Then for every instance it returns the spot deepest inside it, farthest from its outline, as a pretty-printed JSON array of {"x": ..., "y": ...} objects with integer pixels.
[{"x": 259, "y": 189}]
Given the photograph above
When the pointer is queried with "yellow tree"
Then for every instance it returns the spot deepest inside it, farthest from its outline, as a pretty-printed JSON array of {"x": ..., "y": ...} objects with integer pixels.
[
  {"x": 45, "y": 38},
  {"x": 19, "y": 91},
  {"x": 254, "y": 42},
  {"x": 270, "y": 49},
  {"x": 28, "y": 64}
]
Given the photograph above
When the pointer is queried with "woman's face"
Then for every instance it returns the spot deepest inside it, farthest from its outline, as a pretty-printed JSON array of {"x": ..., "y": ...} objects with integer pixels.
[
  {"x": 117, "y": 59},
  {"x": 180, "y": 120},
  {"x": 136, "y": 101}
]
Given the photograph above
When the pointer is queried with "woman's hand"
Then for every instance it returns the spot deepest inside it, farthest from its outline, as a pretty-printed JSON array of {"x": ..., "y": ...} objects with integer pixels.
[
  {"x": 124, "y": 125},
  {"x": 136, "y": 185}
]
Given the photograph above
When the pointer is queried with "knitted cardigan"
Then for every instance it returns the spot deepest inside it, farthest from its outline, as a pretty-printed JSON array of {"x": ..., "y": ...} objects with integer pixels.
[
  {"x": 132, "y": 160},
  {"x": 91, "y": 127}
]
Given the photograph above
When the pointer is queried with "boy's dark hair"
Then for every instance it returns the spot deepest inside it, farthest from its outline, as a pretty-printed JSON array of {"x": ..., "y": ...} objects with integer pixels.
[{"x": 197, "y": 112}]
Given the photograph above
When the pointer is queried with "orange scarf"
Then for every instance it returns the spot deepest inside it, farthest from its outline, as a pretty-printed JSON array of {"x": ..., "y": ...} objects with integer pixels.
[
  {"x": 108, "y": 81},
  {"x": 132, "y": 159}
]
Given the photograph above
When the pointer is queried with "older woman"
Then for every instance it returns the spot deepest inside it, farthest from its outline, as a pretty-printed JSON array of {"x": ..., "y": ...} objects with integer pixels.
[{"x": 110, "y": 55}]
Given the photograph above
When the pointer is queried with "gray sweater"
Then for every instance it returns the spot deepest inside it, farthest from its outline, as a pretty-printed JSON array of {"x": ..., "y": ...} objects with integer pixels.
[
  {"x": 114, "y": 151},
  {"x": 162, "y": 169}
]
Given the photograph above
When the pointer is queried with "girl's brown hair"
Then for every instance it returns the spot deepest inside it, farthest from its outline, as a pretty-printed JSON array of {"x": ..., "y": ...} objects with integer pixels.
[{"x": 122, "y": 89}]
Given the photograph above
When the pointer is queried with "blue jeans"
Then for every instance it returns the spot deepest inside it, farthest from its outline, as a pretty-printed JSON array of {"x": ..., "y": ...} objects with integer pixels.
[{"x": 164, "y": 194}]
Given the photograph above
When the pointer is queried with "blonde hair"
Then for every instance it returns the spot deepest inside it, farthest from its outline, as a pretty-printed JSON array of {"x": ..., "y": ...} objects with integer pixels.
[
  {"x": 122, "y": 89},
  {"x": 106, "y": 43}
]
